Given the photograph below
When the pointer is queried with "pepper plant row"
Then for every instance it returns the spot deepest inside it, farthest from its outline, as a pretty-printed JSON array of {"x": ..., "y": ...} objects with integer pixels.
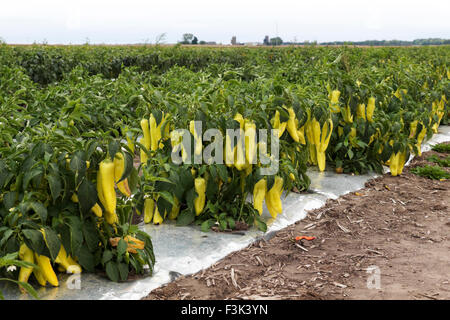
[{"x": 87, "y": 136}]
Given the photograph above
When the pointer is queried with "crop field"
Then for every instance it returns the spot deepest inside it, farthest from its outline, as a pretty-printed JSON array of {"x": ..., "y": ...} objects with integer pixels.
[{"x": 90, "y": 135}]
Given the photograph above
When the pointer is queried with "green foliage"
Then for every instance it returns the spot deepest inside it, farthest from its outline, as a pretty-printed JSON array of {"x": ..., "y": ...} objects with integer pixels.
[
  {"x": 63, "y": 106},
  {"x": 442, "y": 162},
  {"x": 10, "y": 261},
  {"x": 441, "y": 147},
  {"x": 431, "y": 172}
]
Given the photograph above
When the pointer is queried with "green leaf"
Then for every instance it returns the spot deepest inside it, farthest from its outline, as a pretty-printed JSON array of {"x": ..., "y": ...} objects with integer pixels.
[
  {"x": 123, "y": 271},
  {"x": 64, "y": 232},
  {"x": 25, "y": 264},
  {"x": 34, "y": 240},
  {"x": 186, "y": 179},
  {"x": 167, "y": 196},
  {"x": 112, "y": 271},
  {"x": 261, "y": 225},
  {"x": 91, "y": 148},
  {"x": 40, "y": 210},
  {"x": 186, "y": 217},
  {"x": 87, "y": 196},
  {"x": 231, "y": 222},
  {"x": 223, "y": 173},
  {"x": 76, "y": 233},
  {"x": 350, "y": 154},
  {"x": 6, "y": 236},
  {"x": 28, "y": 288},
  {"x": 133, "y": 180},
  {"x": 9, "y": 199},
  {"x": 25, "y": 285},
  {"x": 78, "y": 162},
  {"x": 223, "y": 224},
  {"x": 121, "y": 247},
  {"x": 90, "y": 235},
  {"x": 86, "y": 259},
  {"x": 113, "y": 148},
  {"x": 164, "y": 206},
  {"x": 190, "y": 197},
  {"x": 52, "y": 241},
  {"x": 207, "y": 225},
  {"x": 54, "y": 182},
  {"x": 30, "y": 175},
  {"x": 212, "y": 189},
  {"x": 107, "y": 256}
]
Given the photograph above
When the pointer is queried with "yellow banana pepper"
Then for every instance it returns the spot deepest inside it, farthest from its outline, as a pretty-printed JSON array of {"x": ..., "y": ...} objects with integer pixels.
[
  {"x": 361, "y": 111},
  {"x": 393, "y": 163},
  {"x": 199, "y": 201},
  {"x": 46, "y": 268},
  {"x": 25, "y": 254},
  {"x": 301, "y": 133},
  {"x": 325, "y": 136},
  {"x": 143, "y": 155},
  {"x": 229, "y": 152},
  {"x": 259, "y": 193},
  {"x": 370, "y": 109},
  {"x": 291, "y": 127},
  {"x": 39, "y": 275},
  {"x": 119, "y": 168},
  {"x": 175, "y": 209},
  {"x": 311, "y": 143},
  {"x": 401, "y": 162},
  {"x": 67, "y": 264},
  {"x": 276, "y": 124},
  {"x": 413, "y": 128},
  {"x": 273, "y": 198},
  {"x": 154, "y": 135},
  {"x": 146, "y": 134},
  {"x": 149, "y": 208},
  {"x": 108, "y": 192},
  {"x": 157, "y": 218},
  {"x": 250, "y": 141},
  {"x": 334, "y": 101},
  {"x": 420, "y": 138},
  {"x": 348, "y": 117},
  {"x": 197, "y": 139},
  {"x": 400, "y": 92}
]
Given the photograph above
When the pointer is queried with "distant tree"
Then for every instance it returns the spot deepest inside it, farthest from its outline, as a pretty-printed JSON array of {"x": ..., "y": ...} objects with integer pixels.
[
  {"x": 202, "y": 42},
  {"x": 430, "y": 41},
  {"x": 187, "y": 38},
  {"x": 195, "y": 40},
  {"x": 266, "y": 40},
  {"x": 276, "y": 41}
]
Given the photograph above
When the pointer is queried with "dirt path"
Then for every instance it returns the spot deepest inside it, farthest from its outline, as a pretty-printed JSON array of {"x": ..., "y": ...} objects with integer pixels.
[{"x": 400, "y": 225}]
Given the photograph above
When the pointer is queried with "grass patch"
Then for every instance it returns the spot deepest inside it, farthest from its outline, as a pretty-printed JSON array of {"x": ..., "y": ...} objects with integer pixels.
[
  {"x": 441, "y": 162},
  {"x": 441, "y": 147},
  {"x": 431, "y": 172}
]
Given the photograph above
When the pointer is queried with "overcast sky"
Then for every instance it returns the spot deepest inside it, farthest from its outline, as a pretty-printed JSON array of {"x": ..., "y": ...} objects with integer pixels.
[{"x": 137, "y": 21}]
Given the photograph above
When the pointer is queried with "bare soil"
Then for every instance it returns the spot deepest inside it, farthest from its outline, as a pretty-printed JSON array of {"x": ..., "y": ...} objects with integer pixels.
[{"x": 400, "y": 224}]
